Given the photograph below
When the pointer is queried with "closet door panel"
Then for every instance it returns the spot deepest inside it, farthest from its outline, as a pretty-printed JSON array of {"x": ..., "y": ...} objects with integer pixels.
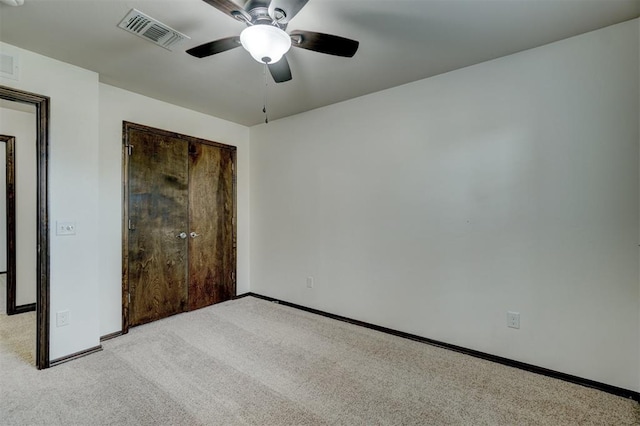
[
  {"x": 211, "y": 211},
  {"x": 158, "y": 206}
]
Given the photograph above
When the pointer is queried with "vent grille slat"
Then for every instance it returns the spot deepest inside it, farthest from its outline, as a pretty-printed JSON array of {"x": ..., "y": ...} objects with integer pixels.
[
  {"x": 155, "y": 32},
  {"x": 151, "y": 29},
  {"x": 171, "y": 40},
  {"x": 138, "y": 23}
]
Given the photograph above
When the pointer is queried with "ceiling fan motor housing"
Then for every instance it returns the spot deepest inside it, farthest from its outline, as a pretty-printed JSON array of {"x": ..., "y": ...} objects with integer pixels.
[{"x": 259, "y": 12}]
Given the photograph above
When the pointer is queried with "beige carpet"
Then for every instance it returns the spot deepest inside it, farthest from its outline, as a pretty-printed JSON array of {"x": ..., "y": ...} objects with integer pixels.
[
  {"x": 252, "y": 362},
  {"x": 17, "y": 332}
]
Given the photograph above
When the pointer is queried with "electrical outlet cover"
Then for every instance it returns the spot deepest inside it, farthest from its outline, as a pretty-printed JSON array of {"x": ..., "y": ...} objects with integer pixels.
[
  {"x": 513, "y": 319},
  {"x": 62, "y": 318}
]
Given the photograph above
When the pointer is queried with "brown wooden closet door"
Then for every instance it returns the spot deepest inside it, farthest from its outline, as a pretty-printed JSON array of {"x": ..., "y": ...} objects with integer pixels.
[
  {"x": 158, "y": 206},
  {"x": 211, "y": 211}
]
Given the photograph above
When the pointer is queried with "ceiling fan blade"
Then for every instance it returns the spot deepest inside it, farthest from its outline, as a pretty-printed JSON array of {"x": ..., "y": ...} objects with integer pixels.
[
  {"x": 324, "y": 43},
  {"x": 280, "y": 71},
  {"x": 229, "y": 8},
  {"x": 289, "y": 7},
  {"x": 214, "y": 47}
]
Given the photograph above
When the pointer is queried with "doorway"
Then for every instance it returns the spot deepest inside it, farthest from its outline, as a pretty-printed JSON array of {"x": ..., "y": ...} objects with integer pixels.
[
  {"x": 179, "y": 233},
  {"x": 41, "y": 104},
  {"x": 9, "y": 230}
]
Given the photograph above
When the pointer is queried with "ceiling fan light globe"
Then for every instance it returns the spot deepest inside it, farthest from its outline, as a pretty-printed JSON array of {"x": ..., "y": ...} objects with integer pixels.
[{"x": 265, "y": 43}]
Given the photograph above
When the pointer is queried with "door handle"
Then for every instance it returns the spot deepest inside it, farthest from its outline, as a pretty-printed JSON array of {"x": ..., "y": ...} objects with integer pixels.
[
  {"x": 193, "y": 235},
  {"x": 182, "y": 235}
]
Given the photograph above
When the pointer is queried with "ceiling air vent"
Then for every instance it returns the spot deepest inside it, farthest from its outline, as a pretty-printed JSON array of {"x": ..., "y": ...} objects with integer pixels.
[{"x": 148, "y": 28}]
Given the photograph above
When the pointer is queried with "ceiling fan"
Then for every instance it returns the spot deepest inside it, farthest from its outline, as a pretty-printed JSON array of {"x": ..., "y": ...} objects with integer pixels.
[{"x": 265, "y": 37}]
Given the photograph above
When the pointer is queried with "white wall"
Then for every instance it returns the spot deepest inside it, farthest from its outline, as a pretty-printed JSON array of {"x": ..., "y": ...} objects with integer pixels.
[
  {"x": 436, "y": 207},
  {"x": 86, "y": 174},
  {"x": 117, "y": 105},
  {"x": 22, "y": 125},
  {"x": 73, "y": 195}
]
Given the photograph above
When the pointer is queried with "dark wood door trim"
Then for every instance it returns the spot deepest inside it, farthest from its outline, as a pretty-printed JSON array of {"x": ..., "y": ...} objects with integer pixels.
[
  {"x": 10, "y": 147},
  {"x": 126, "y": 149},
  {"x": 12, "y": 307},
  {"x": 41, "y": 104},
  {"x": 11, "y": 290}
]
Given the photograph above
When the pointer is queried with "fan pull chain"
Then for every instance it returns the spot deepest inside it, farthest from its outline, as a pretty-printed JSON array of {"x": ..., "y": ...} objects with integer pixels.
[{"x": 264, "y": 106}]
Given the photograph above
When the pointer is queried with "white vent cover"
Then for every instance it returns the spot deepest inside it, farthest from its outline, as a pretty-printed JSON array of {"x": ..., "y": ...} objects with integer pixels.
[
  {"x": 148, "y": 28},
  {"x": 9, "y": 65}
]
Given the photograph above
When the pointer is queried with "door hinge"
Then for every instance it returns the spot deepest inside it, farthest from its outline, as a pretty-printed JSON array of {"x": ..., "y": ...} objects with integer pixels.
[
  {"x": 129, "y": 296},
  {"x": 233, "y": 277},
  {"x": 130, "y": 225},
  {"x": 129, "y": 149}
]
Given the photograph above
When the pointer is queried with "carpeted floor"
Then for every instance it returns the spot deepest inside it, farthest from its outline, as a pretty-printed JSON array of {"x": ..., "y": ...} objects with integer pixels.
[
  {"x": 17, "y": 332},
  {"x": 250, "y": 361}
]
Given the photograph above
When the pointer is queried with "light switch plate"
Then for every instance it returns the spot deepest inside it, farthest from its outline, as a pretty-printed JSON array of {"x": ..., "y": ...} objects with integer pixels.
[{"x": 65, "y": 228}]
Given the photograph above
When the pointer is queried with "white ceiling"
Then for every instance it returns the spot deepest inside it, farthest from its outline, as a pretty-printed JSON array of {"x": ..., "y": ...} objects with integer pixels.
[{"x": 400, "y": 41}]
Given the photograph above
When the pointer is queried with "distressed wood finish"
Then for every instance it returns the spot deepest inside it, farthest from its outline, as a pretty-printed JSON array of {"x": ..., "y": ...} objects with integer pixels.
[
  {"x": 214, "y": 163},
  {"x": 211, "y": 260},
  {"x": 10, "y": 142},
  {"x": 158, "y": 213},
  {"x": 42, "y": 142},
  {"x": 125, "y": 228}
]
